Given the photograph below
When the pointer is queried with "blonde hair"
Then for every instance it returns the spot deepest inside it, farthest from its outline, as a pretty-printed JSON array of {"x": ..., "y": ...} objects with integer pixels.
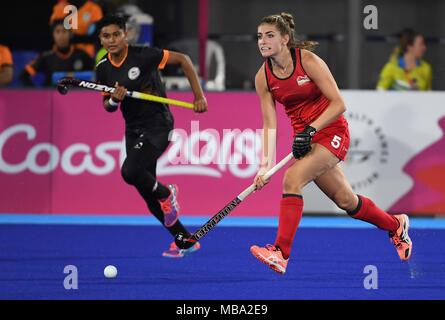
[{"x": 284, "y": 22}]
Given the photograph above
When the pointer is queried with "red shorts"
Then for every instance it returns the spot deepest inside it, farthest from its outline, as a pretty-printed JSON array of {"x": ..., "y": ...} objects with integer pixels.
[{"x": 335, "y": 138}]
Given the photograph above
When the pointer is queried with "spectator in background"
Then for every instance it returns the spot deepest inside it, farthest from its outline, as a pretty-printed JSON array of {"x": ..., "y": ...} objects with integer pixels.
[
  {"x": 406, "y": 70},
  {"x": 88, "y": 14},
  {"x": 6, "y": 70},
  {"x": 63, "y": 57}
]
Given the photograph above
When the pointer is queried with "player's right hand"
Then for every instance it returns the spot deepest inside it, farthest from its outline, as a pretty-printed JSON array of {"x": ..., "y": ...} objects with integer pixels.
[
  {"x": 119, "y": 94},
  {"x": 259, "y": 179},
  {"x": 200, "y": 104}
]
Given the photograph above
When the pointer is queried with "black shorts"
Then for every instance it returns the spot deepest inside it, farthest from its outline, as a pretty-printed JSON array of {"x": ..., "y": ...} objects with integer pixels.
[
  {"x": 157, "y": 131},
  {"x": 157, "y": 138}
]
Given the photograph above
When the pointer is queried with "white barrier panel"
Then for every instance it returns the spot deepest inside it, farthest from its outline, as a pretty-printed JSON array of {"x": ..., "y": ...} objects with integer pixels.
[{"x": 396, "y": 140}]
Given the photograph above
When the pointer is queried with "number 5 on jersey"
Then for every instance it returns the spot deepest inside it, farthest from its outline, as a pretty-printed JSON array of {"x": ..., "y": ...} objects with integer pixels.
[{"x": 336, "y": 142}]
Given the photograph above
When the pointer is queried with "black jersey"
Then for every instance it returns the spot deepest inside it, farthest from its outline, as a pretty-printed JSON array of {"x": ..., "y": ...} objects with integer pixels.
[
  {"x": 55, "y": 61},
  {"x": 139, "y": 71}
]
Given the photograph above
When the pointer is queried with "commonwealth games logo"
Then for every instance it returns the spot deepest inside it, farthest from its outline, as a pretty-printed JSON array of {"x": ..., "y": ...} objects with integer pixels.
[{"x": 368, "y": 151}]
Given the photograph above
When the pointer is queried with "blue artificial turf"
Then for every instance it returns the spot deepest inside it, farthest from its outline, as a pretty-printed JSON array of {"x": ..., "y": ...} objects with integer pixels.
[{"x": 326, "y": 263}]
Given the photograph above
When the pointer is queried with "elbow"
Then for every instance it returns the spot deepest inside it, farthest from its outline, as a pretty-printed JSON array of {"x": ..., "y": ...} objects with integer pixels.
[
  {"x": 185, "y": 61},
  {"x": 269, "y": 124},
  {"x": 186, "y": 58},
  {"x": 269, "y": 120},
  {"x": 337, "y": 106},
  {"x": 341, "y": 106}
]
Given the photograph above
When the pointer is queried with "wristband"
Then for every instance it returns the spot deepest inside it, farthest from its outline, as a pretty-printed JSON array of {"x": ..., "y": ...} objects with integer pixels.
[
  {"x": 113, "y": 103},
  {"x": 310, "y": 130}
]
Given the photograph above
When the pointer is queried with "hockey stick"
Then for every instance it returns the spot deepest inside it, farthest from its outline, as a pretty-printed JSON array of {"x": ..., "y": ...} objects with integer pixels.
[
  {"x": 64, "y": 84},
  {"x": 185, "y": 243}
]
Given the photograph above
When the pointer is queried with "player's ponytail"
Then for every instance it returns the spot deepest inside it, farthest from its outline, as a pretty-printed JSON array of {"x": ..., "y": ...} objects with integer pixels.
[
  {"x": 286, "y": 25},
  {"x": 290, "y": 28}
]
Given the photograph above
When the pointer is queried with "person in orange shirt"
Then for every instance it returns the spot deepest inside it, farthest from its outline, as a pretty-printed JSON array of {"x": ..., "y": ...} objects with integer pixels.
[
  {"x": 88, "y": 14},
  {"x": 6, "y": 71}
]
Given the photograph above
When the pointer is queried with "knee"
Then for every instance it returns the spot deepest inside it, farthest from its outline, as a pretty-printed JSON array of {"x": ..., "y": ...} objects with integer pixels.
[
  {"x": 345, "y": 201},
  {"x": 292, "y": 184},
  {"x": 129, "y": 174}
]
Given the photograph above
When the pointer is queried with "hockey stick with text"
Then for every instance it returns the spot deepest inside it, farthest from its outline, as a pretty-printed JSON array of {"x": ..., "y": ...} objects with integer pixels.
[
  {"x": 184, "y": 243},
  {"x": 64, "y": 84}
]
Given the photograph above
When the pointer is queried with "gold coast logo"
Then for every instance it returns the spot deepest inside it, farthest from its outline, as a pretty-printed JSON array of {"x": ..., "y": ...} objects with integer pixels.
[{"x": 368, "y": 150}]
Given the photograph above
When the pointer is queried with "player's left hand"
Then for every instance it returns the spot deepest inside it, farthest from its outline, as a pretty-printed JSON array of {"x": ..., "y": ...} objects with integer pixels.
[
  {"x": 119, "y": 93},
  {"x": 200, "y": 104},
  {"x": 302, "y": 142}
]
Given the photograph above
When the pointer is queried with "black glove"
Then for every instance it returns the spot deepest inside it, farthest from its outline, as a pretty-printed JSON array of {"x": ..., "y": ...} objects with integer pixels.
[{"x": 302, "y": 142}]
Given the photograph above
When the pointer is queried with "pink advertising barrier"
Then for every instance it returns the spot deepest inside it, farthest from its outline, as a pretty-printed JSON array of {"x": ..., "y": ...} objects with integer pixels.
[{"x": 62, "y": 154}]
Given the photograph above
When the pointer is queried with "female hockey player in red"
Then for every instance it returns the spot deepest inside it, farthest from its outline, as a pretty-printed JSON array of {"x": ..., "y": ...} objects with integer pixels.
[{"x": 303, "y": 84}]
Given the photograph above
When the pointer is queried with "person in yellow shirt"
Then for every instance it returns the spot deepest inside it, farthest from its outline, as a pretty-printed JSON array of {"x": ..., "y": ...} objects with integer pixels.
[
  {"x": 89, "y": 13},
  {"x": 6, "y": 71},
  {"x": 406, "y": 70}
]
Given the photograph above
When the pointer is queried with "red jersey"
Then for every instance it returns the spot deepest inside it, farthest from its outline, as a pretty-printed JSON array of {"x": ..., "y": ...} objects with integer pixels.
[
  {"x": 304, "y": 102},
  {"x": 302, "y": 99}
]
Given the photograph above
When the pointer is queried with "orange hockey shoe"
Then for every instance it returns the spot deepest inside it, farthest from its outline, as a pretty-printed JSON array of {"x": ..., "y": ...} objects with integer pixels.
[
  {"x": 401, "y": 239},
  {"x": 271, "y": 256}
]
